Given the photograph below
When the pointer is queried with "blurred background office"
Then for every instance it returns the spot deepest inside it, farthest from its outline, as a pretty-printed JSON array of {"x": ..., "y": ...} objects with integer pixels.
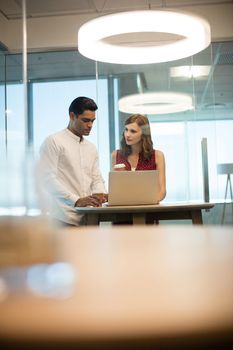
[{"x": 56, "y": 73}]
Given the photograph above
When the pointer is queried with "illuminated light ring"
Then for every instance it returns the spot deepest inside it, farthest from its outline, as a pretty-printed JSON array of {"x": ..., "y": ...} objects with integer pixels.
[
  {"x": 92, "y": 35},
  {"x": 156, "y": 103}
]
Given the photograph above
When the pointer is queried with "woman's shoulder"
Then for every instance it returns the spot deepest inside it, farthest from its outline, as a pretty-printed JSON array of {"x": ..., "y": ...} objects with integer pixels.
[
  {"x": 115, "y": 152},
  {"x": 158, "y": 154}
]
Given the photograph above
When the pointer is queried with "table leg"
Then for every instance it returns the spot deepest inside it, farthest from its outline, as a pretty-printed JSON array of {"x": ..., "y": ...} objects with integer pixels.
[
  {"x": 139, "y": 219},
  {"x": 196, "y": 217},
  {"x": 92, "y": 219}
]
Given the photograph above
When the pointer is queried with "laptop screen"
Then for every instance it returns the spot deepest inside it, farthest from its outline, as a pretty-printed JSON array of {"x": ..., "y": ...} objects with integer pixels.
[{"x": 133, "y": 187}]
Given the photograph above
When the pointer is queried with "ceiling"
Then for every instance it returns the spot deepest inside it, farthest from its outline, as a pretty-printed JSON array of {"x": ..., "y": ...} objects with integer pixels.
[
  {"x": 12, "y": 9},
  {"x": 215, "y": 92}
]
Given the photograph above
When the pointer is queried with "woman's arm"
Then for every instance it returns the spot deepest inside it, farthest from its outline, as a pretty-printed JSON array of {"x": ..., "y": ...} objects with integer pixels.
[
  {"x": 160, "y": 165},
  {"x": 114, "y": 153}
]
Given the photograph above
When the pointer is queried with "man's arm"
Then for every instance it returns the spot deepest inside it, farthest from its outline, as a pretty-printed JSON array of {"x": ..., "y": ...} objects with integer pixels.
[{"x": 48, "y": 173}]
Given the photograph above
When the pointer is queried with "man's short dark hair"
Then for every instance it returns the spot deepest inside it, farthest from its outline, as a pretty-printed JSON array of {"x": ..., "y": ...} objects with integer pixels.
[{"x": 81, "y": 104}]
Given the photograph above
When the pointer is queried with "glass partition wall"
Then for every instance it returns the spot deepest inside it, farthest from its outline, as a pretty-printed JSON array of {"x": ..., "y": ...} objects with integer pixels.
[
  {"x": 2, "y": 102},
  {"x": 56, "y": 78},
  {"x": 208, "y": 78}
]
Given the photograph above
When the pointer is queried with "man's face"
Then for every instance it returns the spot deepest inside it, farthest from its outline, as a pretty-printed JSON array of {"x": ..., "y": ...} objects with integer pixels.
[{"x": 81, "y": 125}]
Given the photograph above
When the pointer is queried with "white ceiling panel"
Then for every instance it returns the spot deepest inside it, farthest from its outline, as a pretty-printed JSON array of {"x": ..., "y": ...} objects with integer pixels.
[{"x": 11, "y": 9}]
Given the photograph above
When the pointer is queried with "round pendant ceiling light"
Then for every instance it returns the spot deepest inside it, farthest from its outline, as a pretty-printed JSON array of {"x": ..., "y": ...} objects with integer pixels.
[
  {"x": 130, "y": 37},
  {"x": 156, "y": 103}
]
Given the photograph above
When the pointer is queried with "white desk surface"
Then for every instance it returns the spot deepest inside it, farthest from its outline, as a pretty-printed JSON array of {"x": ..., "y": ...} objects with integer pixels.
[
  {"x": 162, "y": 211},
  {"x": 163, "y": 206}
]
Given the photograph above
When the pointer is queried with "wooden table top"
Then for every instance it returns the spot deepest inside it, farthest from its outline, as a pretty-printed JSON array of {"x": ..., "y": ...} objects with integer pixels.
[{"x": 139, "y": 283}]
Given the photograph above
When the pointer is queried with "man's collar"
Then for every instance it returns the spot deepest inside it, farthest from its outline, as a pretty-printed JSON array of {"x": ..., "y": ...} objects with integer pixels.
[{"x": 74, "y": 136}]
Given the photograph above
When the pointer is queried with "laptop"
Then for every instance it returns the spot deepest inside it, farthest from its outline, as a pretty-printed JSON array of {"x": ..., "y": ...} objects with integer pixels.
[{"x": 133, "y": 187}]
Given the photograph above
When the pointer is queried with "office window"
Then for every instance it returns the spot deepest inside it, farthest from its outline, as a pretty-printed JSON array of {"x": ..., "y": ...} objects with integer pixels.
[{"x": 181, "y": 144}]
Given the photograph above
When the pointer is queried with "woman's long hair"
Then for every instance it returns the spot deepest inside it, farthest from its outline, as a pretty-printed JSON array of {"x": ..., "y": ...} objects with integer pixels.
[{"x": 146, "y": 141}]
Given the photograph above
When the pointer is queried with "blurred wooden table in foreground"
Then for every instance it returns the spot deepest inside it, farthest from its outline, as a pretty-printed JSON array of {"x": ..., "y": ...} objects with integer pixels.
[{"x": 135, "y": 287}]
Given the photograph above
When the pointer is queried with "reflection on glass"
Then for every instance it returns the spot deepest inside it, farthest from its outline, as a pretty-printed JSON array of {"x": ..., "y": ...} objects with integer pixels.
[
  {"x": 196, "y": 71},
  {"x": 17, "y": 177}
]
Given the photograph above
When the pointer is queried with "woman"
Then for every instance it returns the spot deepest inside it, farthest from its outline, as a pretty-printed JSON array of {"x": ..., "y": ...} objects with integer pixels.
[{"x": 137, "y": 151}]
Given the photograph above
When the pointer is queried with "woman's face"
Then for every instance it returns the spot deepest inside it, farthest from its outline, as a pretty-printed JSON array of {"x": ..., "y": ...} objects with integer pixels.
[{"x": 132, "y": 134}]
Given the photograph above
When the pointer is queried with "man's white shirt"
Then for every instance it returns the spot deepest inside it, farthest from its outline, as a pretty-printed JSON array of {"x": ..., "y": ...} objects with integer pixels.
[{"x": 69, "y": 170}]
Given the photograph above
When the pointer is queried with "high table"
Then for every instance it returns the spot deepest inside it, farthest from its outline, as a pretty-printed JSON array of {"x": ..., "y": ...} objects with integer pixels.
[
  {"x": 145, "y": 214},
  {"x": 131, "y": 289}
]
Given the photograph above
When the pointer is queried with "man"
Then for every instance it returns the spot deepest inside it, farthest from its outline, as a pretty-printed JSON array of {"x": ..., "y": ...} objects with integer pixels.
[{"x": 69, "y": 165}]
